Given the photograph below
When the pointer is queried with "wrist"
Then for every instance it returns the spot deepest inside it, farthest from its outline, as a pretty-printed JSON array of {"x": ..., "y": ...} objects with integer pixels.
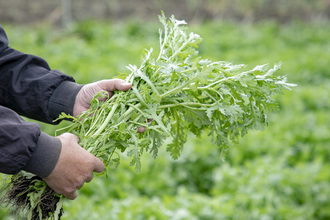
[{"x": 63, "y": 99}]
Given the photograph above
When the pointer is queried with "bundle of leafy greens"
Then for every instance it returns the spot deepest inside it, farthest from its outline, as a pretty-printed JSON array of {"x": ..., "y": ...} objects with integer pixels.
[{"x": 181, "y": 92}]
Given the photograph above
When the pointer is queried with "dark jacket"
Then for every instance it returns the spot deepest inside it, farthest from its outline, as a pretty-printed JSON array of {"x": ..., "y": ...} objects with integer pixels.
[{"x": 28, "y": 87}]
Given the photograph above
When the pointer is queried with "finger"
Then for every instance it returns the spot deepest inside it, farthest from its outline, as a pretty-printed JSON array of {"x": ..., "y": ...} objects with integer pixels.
[
  {"x": 107, "y": 95},
  {"x": 141, "y": 129},
  {"x": 89, "y": 178},
  {"x": 80, "y": 186},
  {"x": 71, "y": 196},
  {"x": 114, "y": 84},
  {"x": 99, "y": 165}
]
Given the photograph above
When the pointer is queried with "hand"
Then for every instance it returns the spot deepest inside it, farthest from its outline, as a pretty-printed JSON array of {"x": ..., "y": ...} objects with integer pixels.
[
  {"x": 75, "y": 166},
  {"x": 88, "y": 91}
]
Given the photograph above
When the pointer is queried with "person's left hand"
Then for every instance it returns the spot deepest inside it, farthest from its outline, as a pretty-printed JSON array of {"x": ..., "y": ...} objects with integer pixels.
[{"x": 88, "y": 91}]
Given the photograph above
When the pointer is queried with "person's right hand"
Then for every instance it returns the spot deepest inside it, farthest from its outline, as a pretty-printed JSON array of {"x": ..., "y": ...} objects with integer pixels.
[{"x": 75, "y": 166}]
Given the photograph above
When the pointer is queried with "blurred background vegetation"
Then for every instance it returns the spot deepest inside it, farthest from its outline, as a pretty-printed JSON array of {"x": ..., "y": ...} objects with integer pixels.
[
  {"x": 280, "y": 173},
  {"x": 32, "y": 11}
]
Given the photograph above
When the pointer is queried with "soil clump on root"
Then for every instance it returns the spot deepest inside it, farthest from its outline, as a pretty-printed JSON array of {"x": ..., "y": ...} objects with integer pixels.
[{"x": 16, "y": 196}]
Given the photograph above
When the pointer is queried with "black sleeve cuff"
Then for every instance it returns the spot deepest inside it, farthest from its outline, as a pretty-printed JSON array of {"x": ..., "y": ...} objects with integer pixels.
[
  {"x": 45, "y": 156},
  {"x": 63, "y": 99}
]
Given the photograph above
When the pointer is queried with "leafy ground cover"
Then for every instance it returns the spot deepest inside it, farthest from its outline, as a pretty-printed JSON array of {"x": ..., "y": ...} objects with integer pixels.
[{"x": 280, "y": 173}]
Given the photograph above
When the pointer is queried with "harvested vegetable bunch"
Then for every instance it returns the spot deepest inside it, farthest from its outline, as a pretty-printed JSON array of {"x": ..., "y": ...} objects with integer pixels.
[{"x": 181, "y": 92}]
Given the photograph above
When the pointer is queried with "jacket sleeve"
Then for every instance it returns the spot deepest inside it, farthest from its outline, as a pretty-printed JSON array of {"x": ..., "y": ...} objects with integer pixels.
[
  {"x": 29, "y": 87},
  {"x": 24, "y": 147}
]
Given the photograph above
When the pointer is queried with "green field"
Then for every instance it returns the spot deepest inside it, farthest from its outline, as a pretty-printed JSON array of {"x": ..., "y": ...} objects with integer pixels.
[{"x": 280, "y": 173}]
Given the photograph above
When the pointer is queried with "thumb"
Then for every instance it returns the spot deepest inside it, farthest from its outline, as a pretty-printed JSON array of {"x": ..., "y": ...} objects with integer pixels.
[
  {"x": 114, "y": 84},
  {"x": 98, "y": 165}
]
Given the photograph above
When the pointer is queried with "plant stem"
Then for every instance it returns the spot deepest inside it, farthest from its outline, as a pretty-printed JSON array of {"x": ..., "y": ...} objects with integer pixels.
[
  {"x": 180, "y": 87},
  {"x": 107, "y": 120},
  {"x": 186, "y": 104},
  {"x": 127, "y": 114}
]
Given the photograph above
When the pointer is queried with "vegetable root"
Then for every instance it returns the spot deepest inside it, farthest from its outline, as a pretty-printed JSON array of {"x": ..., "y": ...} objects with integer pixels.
[{"x": 18, "y": 196}]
